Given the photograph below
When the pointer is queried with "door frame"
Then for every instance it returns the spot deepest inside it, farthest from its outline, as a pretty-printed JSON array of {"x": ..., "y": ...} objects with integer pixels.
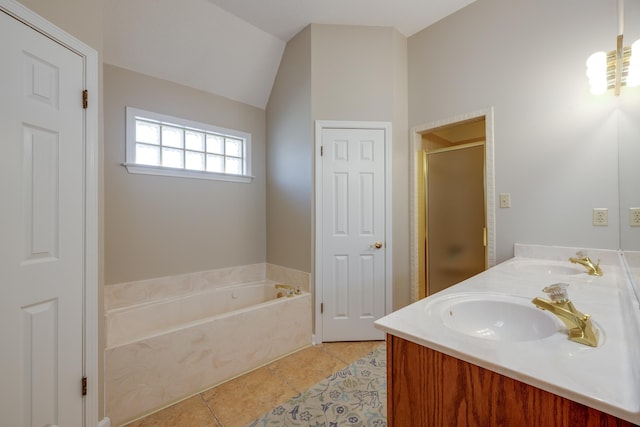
[
  {"x": 489, "y": 188},
  {"x": 91, "y": 157},
  {"x": 320, "y": 125}
]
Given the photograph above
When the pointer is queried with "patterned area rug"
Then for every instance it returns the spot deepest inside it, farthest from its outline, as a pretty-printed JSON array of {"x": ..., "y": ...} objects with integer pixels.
[{"x": 355, "y": 396}]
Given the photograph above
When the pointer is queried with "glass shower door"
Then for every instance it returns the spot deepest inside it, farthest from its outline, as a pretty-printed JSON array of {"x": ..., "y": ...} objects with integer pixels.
[{"x": 455, "y": 216}]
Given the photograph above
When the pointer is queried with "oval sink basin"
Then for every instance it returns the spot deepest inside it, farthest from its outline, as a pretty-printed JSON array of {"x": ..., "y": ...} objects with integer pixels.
[
  {"x": 546, "y": 267},
  {"x": 494, "y": 317}
]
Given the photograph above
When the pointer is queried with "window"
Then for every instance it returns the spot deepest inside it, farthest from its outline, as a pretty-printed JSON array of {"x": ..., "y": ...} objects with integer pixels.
[{"x": 162, "y": 145}]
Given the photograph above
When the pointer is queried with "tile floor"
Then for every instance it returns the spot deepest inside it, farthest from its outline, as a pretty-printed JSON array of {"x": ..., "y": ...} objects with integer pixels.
[{"x": 241, "y": 400}]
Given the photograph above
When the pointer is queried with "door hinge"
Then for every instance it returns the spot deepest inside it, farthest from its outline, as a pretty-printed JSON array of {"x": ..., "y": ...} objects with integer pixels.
[
  {"x": 321, "y": 307},
  {"x": 85, "y": 98},
  {"x": 84, "y": 386},
  {"x": 484, "y": 236},
  {"x": 321, "y": 150}
]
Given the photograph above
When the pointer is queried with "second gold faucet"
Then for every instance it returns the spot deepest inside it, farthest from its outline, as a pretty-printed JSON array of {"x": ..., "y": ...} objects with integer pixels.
[{"x": 585, "y": 261}]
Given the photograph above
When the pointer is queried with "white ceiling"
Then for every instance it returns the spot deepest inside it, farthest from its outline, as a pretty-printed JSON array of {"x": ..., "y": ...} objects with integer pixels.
[
  {"x": 233, "y": 48},
  {"x": 285, "y": 18}
]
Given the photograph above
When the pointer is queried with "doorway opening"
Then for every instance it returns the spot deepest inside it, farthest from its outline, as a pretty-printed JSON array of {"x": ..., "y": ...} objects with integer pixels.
[{"x": 453, "y": 216}]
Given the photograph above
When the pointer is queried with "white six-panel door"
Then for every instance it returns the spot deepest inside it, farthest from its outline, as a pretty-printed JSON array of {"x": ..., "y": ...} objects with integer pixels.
[
  {"x": 353, "y": 233},
  {"x": 42, "y": 229}
]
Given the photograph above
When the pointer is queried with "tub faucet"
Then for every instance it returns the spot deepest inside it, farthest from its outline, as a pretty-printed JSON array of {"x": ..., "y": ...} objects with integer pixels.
[
  {"x": 579, "y": 325},
  {"x": 586, "y": 262},
  {"x": 290, "y": 290}
]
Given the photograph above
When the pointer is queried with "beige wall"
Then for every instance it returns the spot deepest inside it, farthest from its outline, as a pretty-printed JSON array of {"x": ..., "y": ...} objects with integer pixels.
[
  {"x": 334, "y": 72},
  {"x": 289, "y": 158},
  {"x": 352, "y": 75},
  {"x": 555, "y": 144},
  {"x": 80, "y": 18},
  {"x": 400, "y": 166},
  {"x": 157, "y": 226}
]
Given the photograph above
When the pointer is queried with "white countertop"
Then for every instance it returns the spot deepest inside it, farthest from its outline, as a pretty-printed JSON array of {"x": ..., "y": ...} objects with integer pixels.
[{"x": 606, "y": 377}]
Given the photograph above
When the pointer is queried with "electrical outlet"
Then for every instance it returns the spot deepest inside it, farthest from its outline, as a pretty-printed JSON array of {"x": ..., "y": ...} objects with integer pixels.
[
  {"x": 634, "y": 217},
  {"x": 505, "y": 200},
  {"x": 600, "y": 217}
]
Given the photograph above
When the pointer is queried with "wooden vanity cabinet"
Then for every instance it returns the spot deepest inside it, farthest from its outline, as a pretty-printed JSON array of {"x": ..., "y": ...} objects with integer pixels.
[{"x": 426, "y": 388}]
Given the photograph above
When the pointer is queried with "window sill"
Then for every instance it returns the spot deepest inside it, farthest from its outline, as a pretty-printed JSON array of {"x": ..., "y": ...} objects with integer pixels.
[{"x": 184, "y": 173}]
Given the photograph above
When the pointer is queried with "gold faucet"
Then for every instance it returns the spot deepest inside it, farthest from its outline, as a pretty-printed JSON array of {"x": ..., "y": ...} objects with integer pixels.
[
  {"x": 290, "y": 290},
  {"x": 579, "y": 325},
  {"x": 586, "y": 262}
]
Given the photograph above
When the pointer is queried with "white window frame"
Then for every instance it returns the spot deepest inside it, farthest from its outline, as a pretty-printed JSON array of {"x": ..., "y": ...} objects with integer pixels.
[{"x": 130, "y": 143}]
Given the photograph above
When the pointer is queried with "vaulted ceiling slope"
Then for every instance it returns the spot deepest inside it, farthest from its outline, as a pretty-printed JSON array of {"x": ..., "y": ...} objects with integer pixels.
[
  {"x": 233, "y": 48},
  {"x": 285, "y": 18},
  {"x": 195, "y": 43}
]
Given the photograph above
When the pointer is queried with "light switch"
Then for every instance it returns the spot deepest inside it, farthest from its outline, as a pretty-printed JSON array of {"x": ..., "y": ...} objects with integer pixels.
[{"x": 505, "y": 200}]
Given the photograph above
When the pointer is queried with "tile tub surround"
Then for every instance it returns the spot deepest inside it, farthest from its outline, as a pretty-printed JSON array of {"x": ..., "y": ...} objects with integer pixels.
[
  {"x": 605, "y": 378},
  {"x": 146, "y": 291},
  {"x": 147, "y": 368},
  {"x": 289, "y": 276},
  {"x": 128, "y": 324}
]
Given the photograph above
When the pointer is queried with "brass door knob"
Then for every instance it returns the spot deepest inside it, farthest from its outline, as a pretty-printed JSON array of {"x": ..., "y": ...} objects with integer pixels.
[{"x": 377, "y": 245}]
